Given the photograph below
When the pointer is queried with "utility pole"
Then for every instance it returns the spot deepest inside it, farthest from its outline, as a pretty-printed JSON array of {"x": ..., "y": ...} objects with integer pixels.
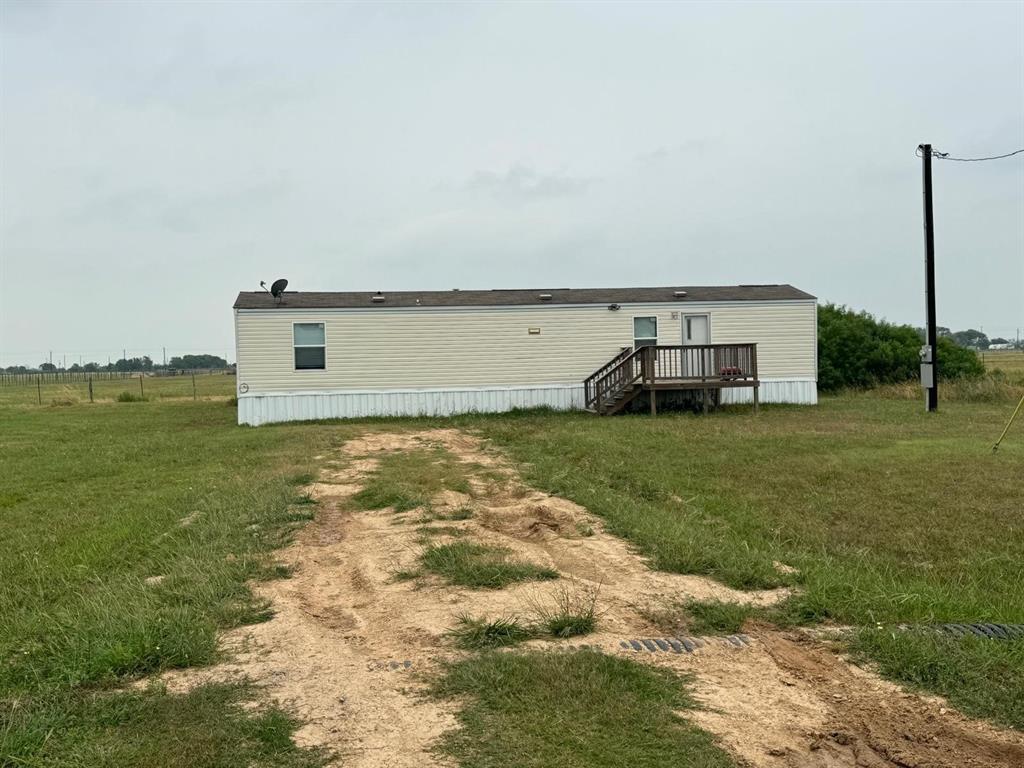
[{"x": 929, "y": 356}]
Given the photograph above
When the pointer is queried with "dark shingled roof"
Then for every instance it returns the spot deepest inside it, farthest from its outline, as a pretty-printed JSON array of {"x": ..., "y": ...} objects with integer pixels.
[{"x": 519, "y": 297}]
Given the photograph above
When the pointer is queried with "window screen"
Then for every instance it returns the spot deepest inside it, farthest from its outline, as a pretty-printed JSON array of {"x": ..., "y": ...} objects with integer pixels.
[
  {"x": 310, "y": 346},
  {"x": 645, "y": 331}
]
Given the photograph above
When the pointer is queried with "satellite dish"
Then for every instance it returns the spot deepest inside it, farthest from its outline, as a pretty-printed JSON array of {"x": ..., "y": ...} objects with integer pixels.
[{"x": 277, "y": 288}]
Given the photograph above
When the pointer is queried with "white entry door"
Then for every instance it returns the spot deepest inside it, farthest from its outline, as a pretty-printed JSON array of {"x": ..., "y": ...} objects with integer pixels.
[{"x": 696, "y": 330}]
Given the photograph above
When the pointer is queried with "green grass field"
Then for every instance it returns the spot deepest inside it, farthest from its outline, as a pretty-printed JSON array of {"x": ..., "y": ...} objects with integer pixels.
[
  {"x": 1009, "y": 361},
  {"x": 891, "y": 515}
]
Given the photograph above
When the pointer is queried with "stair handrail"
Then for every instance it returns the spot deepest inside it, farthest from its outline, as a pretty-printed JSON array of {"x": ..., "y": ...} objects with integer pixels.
[
  {"x": 619, "y": 377},
  {"x": 589, "y": 382}
]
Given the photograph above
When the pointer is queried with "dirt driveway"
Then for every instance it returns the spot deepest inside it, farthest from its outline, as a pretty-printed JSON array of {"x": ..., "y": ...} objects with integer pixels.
[{"x": 347, "y": 638}]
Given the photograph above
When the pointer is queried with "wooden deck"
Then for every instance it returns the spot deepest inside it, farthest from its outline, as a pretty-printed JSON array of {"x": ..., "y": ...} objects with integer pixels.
[{"x": 706, "y": 367}]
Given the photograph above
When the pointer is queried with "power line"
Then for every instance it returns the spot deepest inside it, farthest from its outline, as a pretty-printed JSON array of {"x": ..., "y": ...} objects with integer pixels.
[{"x": 945, "y": 156}]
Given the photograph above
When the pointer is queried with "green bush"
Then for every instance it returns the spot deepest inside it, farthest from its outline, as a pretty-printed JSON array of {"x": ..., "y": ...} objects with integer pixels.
[
  {"x": 956, "y": 362},
  {"x": 856, "y": 350}
]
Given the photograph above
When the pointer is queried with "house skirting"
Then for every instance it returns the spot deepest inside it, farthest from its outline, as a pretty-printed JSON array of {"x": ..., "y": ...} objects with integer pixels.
[
  {"x": 270, "y": 407},
  {"x": 795, "y": 390}
]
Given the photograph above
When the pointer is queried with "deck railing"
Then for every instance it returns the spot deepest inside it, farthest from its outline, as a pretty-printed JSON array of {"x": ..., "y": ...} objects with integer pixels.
[{"x": 701, "y": 362}]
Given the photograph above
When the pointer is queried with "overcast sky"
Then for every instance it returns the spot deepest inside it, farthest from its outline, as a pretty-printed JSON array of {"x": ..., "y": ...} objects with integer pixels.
[{"x": 159, "y": 157}]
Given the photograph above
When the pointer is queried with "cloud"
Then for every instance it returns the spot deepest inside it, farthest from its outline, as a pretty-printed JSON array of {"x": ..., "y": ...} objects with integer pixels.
[{"x": 521, "y": 183}]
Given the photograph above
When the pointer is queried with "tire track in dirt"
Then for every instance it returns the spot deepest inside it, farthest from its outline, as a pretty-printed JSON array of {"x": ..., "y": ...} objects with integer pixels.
[{"x": 347, "y": 640}]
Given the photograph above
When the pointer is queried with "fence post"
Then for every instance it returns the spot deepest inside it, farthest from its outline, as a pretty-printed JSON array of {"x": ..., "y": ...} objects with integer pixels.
[
  {"x": 142, "y": 390},
  {"x": 90, "y": 389},
  {"x": 39, "y": 389},
  {"x": 193, "y": 385}
]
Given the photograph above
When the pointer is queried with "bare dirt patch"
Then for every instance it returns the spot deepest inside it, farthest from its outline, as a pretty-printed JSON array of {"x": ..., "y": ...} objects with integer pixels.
[
  {"x": 794, "y": 703},
  {"x": 348, "y": 639}
]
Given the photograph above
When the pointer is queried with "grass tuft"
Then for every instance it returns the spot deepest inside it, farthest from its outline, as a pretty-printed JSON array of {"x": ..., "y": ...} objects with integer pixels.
[
  {"x": 131, "y": 397},
  {"x": 571, "y": 612},
  {"x": 428, "y": 531},
  {"x": 579, "y": 708},
  {"x": 410, "y": 479},
  {"x": 477, "y": 634},
  {"x": 716, "y": 617},
  {"x": 480, "y": 566},
  {"x": 208, "y": 726}
]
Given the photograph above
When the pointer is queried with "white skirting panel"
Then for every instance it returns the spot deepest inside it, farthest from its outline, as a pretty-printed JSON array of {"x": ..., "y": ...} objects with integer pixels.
[
  {"x": 799, "y": 391},
  {"x": 271, "y": 407},
  {"x": 256, "y": 409}
]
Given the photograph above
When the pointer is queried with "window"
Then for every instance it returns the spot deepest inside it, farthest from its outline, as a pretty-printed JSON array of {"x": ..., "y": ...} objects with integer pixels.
[
  {"x": 310, "y": 346},
  {"x": 645, "y": 332}
]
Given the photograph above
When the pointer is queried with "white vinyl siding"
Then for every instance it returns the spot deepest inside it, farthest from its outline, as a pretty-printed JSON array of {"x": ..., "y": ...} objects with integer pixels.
[{"x": 381, "y": 348}]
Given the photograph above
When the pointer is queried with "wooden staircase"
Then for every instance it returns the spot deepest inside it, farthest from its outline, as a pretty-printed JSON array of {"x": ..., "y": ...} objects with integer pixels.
[
  {"x": 707, "y": 367},
  {"x": 615, "y": 384}
]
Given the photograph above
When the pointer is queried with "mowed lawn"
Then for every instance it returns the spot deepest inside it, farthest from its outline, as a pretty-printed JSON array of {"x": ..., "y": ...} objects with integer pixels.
[{"x": 891, "y": 516}]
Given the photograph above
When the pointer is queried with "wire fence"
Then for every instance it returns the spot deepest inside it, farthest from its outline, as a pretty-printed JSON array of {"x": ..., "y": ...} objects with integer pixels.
[
  {"x": 34, "y": 378},
  {"x": 54, "y": 389}
]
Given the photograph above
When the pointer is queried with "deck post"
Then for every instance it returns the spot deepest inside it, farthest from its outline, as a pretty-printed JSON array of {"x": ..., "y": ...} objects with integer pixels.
[
  {"x": 705, "y": 401},
  {"x": 757, "y": 377},
  {"x": 649, "y": 359}
]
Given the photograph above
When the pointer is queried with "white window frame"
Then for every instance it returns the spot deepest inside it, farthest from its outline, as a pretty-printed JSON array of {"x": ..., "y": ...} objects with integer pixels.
[
  {"x": 645, "y": 338},
  {"x": 309, "y": 346}
]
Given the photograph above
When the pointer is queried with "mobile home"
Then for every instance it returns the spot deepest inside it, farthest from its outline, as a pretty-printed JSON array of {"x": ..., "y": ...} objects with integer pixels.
[{"x": 310, "y": 355}]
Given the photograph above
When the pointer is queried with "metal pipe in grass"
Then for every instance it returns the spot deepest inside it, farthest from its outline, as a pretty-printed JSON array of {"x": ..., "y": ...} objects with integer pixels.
[{"x": 1010, "y": 422}]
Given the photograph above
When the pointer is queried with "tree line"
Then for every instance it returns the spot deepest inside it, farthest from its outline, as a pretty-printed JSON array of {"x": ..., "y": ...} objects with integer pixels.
[
  {"x": 975, "y": 339},
  {"x": 142, "y": 364}
]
